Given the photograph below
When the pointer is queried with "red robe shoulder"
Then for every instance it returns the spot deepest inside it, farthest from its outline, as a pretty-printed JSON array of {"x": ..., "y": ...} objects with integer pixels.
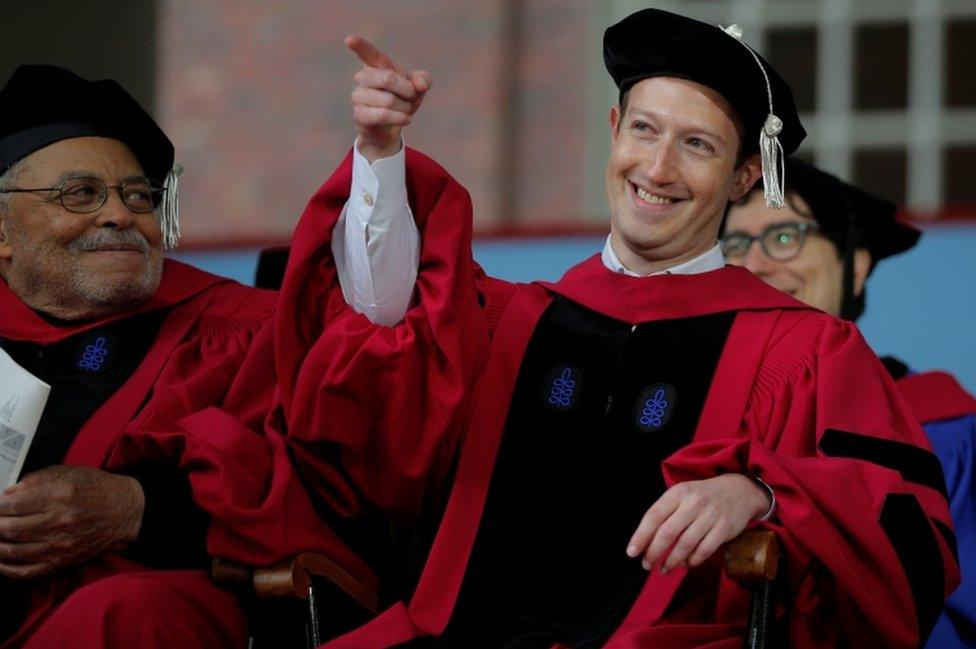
[{"x": 936, "y": 395}]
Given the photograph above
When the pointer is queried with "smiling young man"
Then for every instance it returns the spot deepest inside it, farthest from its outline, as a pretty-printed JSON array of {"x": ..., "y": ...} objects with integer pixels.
[
  {"x": 587, "y": 446},
  {"x": 674, "y": 163},
  {"x": 133, "y": 477},
  {"x": 820, "y": 249}
]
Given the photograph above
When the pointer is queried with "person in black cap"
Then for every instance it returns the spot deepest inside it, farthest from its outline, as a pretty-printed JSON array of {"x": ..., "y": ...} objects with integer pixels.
[
  {"x": 601, "y": 437},
  {"x": 825, "y": 220},
  {"x": 821, "y": 249},
  {"x": 106, "y": 538}
]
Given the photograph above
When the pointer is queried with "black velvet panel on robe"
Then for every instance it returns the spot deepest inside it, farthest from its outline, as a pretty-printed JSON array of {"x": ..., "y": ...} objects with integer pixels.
[
  {"x": 83, "y": 372},
  {"x": 598, "y": 405}
]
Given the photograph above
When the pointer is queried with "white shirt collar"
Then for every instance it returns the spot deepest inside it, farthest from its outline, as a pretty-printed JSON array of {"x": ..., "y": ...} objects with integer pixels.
[{"x": 711, "y": 259}]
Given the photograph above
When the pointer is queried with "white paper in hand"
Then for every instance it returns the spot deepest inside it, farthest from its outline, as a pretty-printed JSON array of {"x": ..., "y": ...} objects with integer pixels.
[{"x": 22, "y": 399}]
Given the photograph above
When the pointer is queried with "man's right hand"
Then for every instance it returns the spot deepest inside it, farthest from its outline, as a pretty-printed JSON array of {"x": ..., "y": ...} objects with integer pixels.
[
  {"x": 61, "y": 516},
  {"x": 385, "y": 98}
]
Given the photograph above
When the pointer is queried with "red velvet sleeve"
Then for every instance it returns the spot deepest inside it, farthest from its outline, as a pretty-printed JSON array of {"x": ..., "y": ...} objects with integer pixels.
[
  {"x": 374, "y": 413},
  {"x": 206, "y": 416},
  {"x": 862, "y": 511}
]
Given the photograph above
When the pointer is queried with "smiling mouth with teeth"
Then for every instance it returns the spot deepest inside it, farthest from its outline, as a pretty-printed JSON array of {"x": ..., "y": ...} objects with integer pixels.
[{"x": 653, "y": 199}]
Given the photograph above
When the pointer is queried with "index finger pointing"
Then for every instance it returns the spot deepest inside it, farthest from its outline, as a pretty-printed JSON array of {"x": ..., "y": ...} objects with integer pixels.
[{"x": 370, "y": 55}]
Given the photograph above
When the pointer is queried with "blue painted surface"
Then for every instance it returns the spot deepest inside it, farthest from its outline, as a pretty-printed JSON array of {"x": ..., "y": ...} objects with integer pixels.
[
  {"x": 236, "y": 264},
  {"x": 524, "y": 260},
  {"x": 921, "y": 305}
]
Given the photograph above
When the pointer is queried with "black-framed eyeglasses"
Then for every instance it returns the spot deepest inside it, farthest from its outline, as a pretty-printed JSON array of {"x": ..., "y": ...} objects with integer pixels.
[
  {"x": 780, "y": 241},
  {"x": 85, "y": 195}
]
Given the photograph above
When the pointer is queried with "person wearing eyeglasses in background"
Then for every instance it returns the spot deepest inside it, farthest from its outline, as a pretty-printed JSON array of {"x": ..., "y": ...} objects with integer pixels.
[
  {"x": 821, "y": 249},
  {"x": 106, "y": 539}
]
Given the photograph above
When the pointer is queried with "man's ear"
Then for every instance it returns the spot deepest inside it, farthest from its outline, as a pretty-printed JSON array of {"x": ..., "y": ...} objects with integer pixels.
[
  {"x": 746, "y": 176},
  {"x": 614, "y": 122},
  {"x": 6, "y": 250},
  {"x": 862, "y": 264}
]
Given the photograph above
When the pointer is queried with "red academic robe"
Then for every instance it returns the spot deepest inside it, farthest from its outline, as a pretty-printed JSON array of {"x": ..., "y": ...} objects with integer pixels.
[
  {"x": 936, "y": 396},
  {"x": 797, "y": 399},
  {"x": 213, "y": 350}
]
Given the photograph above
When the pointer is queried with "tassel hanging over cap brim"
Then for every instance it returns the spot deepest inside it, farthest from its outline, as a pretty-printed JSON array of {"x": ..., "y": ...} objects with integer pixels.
[
  {"x": 733, "y": 30},
  {"x": 773, "y": 162},
  {"x": 770, "y": 149},
  {"x": 169, "y": 218}
]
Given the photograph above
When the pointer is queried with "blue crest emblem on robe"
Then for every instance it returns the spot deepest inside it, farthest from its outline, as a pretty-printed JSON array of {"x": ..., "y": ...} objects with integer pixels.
[
  {"x": 561, "y": 387},
  {"x": 95, "y": 353},
  {"x": 654, "y": 407}
]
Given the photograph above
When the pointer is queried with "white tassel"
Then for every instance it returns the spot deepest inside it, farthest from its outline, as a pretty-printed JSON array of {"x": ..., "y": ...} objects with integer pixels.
[
  {"x": 770, "y": 150},
  {"x": 169, "y": 220},
  {"x": 733, "y": 30},
  {"x": 773, "y": 162}
]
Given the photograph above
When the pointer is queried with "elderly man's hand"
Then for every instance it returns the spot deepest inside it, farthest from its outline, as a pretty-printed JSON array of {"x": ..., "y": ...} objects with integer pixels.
[
  {"x": 697, "y": 517},
  {"x": 385, "y": 98},
  {"x": 63, "y": 515}
]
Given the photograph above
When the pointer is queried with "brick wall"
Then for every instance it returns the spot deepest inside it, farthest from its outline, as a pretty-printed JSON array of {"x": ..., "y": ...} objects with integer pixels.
[{"x": 256, "y": 98}]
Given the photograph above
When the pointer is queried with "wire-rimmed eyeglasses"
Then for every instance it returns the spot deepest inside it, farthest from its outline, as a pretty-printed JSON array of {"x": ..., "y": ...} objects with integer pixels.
[
  {"x": 85, "y": 195},
  {"x": 780, "y": 241}
]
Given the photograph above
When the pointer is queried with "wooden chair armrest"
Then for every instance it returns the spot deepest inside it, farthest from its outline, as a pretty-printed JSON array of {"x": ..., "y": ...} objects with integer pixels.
[
  {"x": 291, "y": 578},
  {"x": 231, "y": 575},
  {"x": 753, "y": 556}
]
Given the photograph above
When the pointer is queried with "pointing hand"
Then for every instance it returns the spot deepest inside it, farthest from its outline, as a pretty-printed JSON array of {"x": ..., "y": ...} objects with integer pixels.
[{"x": 384, "y": 99}]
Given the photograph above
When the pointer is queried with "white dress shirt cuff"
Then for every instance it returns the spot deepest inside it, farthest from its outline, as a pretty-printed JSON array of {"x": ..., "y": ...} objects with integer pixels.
[
  {"x": 375, "y": 243},
  {"x": 379, "y": 190}
]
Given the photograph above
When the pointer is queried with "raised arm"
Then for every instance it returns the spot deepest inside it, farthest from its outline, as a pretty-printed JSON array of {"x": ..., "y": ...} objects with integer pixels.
[
  {"x": 373, "y": 412},
  {"x": 376, "y": 244}
]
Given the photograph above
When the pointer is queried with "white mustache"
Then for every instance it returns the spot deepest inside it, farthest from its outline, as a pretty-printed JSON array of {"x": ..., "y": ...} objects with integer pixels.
[{"x": 104, "y": 237}]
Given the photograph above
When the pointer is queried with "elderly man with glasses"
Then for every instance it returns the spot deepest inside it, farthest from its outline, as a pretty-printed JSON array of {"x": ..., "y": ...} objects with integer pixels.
[
  {"x": 133, "y": 478},
  {"x": 820, "y": 249}
]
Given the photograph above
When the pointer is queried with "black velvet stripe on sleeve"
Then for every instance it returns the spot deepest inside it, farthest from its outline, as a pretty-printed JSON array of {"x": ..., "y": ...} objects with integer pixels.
[
  {"x": 915, "y": 464},
  {"x": 173, "y": 534},
  {"x": 908, "y": 529}
]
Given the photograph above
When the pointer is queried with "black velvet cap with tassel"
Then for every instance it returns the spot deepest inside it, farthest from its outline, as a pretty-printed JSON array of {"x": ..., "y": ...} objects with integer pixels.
[
  {"x": 656, "y": 43},
  {"x": 44, "y": 104}
]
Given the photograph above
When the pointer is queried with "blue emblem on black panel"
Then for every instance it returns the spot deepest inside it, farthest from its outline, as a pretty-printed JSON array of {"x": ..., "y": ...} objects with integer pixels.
[
  {"x": 561, "y": 387},
  {"x": 96, "y": 352},
  {"x": 654, "y": 407}
]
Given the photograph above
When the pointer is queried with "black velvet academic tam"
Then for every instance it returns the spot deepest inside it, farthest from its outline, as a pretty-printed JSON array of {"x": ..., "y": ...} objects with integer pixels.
[
  {"x": 44, "y": 104},
  {"x": 833, "y": 202},
  {"x": 655, "y": 43}
]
